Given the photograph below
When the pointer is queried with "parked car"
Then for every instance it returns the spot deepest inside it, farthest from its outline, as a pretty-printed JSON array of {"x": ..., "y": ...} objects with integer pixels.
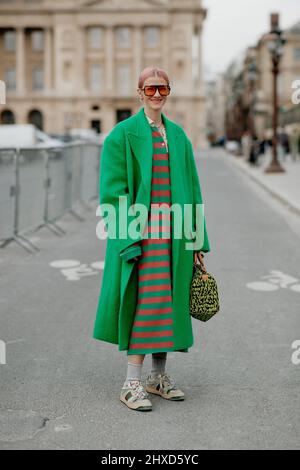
[
  {"x": 25, "y": 136},
  {"x": 87, "y": 135},
  {"x": 233, "y": 146}
]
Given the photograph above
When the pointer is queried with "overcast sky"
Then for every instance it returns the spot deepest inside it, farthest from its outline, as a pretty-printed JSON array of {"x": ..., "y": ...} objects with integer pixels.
[{"x": 233, "y": 25}]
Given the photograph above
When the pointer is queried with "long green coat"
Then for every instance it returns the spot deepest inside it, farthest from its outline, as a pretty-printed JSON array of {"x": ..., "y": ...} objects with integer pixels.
[{"x": 126, "y": 169}]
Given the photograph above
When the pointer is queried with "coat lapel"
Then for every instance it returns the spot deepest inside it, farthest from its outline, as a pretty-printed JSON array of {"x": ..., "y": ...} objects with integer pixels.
[{"x": 140, "y": 139}]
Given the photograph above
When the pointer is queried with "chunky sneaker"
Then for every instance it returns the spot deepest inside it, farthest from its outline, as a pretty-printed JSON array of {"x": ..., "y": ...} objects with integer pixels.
[
  {"x": 164, "y": 386},
  {"x": 135, "y": 396}
]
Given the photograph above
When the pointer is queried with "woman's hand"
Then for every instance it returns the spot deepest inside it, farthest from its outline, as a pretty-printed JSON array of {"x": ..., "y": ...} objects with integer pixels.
[{"x": 198, "y": 256}]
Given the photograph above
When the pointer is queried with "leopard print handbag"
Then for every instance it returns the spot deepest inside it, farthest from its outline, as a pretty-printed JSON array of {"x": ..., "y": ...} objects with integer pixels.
[{"x": 204, "y": 298}]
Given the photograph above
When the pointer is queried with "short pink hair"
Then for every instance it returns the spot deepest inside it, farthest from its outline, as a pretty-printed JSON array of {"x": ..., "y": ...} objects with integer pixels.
[{"x": 152, "y": 71}]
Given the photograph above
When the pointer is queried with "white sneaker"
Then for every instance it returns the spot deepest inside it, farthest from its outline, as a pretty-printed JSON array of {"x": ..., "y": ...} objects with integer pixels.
[
  {"x": 135, "y": 396},
  {"x": 164, "y": 386}
]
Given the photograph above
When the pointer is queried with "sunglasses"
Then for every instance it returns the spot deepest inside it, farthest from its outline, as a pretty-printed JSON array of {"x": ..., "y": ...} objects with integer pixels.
[{"x": 150, "y": 90}]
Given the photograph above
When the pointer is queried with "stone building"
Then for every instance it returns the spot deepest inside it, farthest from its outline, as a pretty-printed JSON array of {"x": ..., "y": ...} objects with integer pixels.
[
  {"x": 289, "y": 72},
  {"x": 75, "y": 63},
  {"x": 215, "y": 107},
  {"x": 249, "y": 99}
]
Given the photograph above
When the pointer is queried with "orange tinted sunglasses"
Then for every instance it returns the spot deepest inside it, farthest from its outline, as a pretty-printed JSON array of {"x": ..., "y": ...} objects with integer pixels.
[{"x": 163, "y": 90}]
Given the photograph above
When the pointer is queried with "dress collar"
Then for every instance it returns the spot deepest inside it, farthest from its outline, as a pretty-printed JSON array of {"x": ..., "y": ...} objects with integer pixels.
[{"x": 151, "y": 122}]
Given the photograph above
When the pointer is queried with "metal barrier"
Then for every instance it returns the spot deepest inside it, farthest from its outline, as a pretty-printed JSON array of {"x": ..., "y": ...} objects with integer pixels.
[
  {"x": 38, "y": 186},
  {"x": 7, "y": 193},
  {"x": 90, "y": 173}
]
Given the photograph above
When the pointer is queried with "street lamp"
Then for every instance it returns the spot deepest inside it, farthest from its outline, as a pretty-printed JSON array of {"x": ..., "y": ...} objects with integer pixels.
[
  {"x": 276, "y": 50},
  {"x": 251, "y": 78}
]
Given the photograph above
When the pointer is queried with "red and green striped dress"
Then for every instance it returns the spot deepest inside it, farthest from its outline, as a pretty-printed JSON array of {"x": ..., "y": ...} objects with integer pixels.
[{"x": 152, "y": 329}]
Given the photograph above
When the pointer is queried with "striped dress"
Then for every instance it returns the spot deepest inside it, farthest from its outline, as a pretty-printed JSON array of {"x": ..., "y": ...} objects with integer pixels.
[{"x": 152, "y": 329}]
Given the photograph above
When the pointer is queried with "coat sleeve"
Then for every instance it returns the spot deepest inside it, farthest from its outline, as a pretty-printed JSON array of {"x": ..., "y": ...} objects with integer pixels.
[
  {"x": 197, "y": 199},
  {"x": 113, "y": 184}
]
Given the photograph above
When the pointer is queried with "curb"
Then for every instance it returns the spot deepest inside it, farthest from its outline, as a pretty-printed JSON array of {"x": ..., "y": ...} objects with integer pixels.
[{"x": 282, "y": 199}]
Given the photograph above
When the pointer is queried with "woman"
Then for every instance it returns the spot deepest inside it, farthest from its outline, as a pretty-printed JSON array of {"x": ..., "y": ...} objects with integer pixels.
[{"x": 143, "y": 306}]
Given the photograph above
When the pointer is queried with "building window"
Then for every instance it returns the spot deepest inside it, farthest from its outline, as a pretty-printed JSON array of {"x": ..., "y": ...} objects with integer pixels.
[
  {"x": 37, "y": 41},
  {"x": 297, "y": 53},
  {"x": 36, "y": 118},
  {"x": 10, "y": 79},
  {"x": 122, "y": 114},
  {"x": 123, "y": 36},
  {"x": 96, "y": 125},
  {"x": 67, "y": 71},
  {"x": 123, "y": 77},
  {"x": 37, "y": 79},
  {"x": 96, "y": 77},
  {"x": 95, "y": 37},
  {"x": 7, "y": 117},
  {"x": 10, "y": 41},
  {"x": 152, "y": 36}
]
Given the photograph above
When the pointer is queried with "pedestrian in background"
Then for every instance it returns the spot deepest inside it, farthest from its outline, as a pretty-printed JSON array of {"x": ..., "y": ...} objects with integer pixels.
[
  {"x": 144, "y": 300},
  {"x": 283, "y": 144},
  {"x": 254, "y": 151},
  {"x": 246, "y": 144},
  {"x": 293, "y": 143}
]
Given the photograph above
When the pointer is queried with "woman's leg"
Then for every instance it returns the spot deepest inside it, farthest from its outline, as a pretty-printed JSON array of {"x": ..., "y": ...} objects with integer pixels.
[
  {"x": 136, "y": 358},
  {"x": 158, "y": 363},
  {"x": 134, "y": 367}
]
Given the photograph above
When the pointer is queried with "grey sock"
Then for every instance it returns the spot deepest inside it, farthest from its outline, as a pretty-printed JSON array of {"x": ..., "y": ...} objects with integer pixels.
[
  {"x": 158, "y": 363},
  {"x": 134, "y": 371}
]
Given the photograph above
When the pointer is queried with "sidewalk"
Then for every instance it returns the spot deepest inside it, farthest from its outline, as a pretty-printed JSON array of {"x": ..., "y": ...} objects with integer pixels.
[{"x": 283, "y": 186}]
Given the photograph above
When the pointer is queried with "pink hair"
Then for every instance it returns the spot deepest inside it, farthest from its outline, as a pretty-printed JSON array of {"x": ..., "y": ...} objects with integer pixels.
[{"x": 152, "y": 71}]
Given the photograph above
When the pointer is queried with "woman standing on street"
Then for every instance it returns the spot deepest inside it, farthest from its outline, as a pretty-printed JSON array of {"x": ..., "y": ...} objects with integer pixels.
[{"x": 144, "y": 301}]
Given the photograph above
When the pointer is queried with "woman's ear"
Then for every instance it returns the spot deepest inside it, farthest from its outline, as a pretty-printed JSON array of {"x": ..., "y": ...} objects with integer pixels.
[{"x": 139, "y": 94}]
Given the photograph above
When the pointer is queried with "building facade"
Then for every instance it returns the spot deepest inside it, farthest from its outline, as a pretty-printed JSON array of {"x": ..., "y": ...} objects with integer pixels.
[
  {"x": 75, "y": 63},
  {"x": 289, "y": 72},
  {"x": 249, "y": 85},
  {"x": 215, "y": 108}
]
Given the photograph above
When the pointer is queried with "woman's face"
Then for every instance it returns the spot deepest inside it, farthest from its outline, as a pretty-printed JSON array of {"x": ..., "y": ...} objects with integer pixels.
[{"x": 155, "y": 102}]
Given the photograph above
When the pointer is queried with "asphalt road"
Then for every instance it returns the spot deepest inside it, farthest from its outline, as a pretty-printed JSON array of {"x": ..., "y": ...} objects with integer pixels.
[{"x": 59, "y": 388}]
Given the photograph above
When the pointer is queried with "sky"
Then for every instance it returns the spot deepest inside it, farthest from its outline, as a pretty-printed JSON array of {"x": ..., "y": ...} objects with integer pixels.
[{"x": 233, "y": 25}]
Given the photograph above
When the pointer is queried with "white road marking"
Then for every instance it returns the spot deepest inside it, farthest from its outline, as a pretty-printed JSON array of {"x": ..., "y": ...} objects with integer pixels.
[
  {"x": 65, "y": 263},
  {"x": 63, "y": 427},
  {"x": 261, "y": 286},
  {"x": 14, "y": 341},
  {"x": 295, "y": 288},
  {"x": 73, "y": 270},
  {"x": 97, "y": 265},
  {"x": 276, "y": 280}
]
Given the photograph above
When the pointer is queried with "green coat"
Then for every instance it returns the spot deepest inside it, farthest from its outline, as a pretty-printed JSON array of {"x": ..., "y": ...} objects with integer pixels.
[{"x": 126, "y": 169}]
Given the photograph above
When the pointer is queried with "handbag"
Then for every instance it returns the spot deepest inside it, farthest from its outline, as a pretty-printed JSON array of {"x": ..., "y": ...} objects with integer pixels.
[{"x": 204, "y": 298}]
